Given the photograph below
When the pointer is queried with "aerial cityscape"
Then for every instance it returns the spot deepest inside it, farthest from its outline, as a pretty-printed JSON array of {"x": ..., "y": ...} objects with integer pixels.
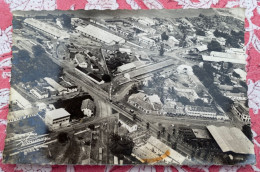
[{"x": 129, "y": 87}]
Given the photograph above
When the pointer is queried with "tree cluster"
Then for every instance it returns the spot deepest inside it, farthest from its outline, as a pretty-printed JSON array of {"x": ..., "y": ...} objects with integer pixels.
[
  {"x": 206, "y": 77},
  {"x": 28, "y": 69}
]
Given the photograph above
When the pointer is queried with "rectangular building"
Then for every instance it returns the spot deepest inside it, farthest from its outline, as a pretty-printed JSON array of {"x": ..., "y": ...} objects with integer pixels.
[{"x": 100, "y": 34}]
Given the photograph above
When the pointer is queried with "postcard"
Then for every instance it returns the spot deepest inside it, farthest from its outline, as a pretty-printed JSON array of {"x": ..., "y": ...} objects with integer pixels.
[{"x": 123, "y": 87}]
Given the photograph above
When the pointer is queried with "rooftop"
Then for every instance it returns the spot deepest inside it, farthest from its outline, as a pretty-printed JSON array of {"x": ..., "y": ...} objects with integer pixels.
[
  {"x": 57, "y": 113},
  {"x": 126, "y": 120},
  {"x": 231, "y": 139},
  {"x": 47, "y": 27},
  {"x": 150, "y": 68},
  {"x": 100, "y": 34},
  {"x": 54, "y": 84}
]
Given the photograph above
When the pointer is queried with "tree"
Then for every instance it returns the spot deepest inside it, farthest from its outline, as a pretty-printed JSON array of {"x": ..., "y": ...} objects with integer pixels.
[
  {"x": 147, "y": 125},
  {"x": 247, "y": 131},
  {"x": 163, "y": 130},
  {"x": 200, "y": 32},
  {"x": 106, "y": 78},
  {"x": 158, "y": 135},
  {"x": 120, "y": 145},
  {"x": 63, "y": 137},
  {"x": 161, "y": 51},
  {"x": 91, "y": 126},
  {"x": 235, "y": 75},
  {"x": 184, "y": 100},
  {"x": 119, "y": 124},
  {"x": 199, "y": 102},
  {"x": 169, "y": 137},
  {"x": 214, "y": 46},
  {"x": 37, "y": 50},
  {"x": 134, "y": 117},
  {"x": 66, "y": 21},
  {"x": 164, "y": 36}
]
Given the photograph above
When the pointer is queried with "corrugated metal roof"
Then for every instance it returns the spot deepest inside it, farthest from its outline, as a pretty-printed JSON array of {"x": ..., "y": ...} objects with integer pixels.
[
  {"x": 47, "y": 28},
  {"x": 231, "y": 139},
  {"x": 100, "y": 34}
]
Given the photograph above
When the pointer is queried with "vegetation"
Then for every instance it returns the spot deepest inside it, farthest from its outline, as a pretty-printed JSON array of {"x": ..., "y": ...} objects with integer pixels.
[
  {"x": 214, "y": 46},
  {"x": 120, "y": 145},
  {"x": 28, "y": 69}
]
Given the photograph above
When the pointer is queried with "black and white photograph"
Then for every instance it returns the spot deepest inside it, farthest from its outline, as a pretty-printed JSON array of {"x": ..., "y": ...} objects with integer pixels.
[{"x": 158, "y": 87}]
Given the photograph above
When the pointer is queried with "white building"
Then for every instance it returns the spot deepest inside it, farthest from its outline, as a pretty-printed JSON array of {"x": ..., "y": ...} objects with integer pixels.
[
  {"x": 57, "y": 118},
  {"x": 87, "y": 107},
  {"x": 100, "y": 34},
  {"x": 154, "y": 148},
  {"x": 225, "y": 57},
  {"x": 236, "y": 96},
  {"x": 129, "y": 124},
  {"x": 81, "y": 60},
  {"x": 242, "y": 112},
  {"x": 200, "y": 111},
  {"x": 145, "y": 40},
  {"x": 16, "y": 98},
  {"x": 46, "y": 28}
]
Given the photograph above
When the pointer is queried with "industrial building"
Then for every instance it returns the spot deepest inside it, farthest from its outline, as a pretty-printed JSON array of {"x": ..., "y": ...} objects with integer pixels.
[
  {"x": 150, "y": 68},
  {"x": 130, "y": 125},
  {"x": 241, "y": 111},
  {"x": 57, "y": 118},
  {"x": 100, "y": 34},
  {"x": 88, "y": 107},
  {"x": 154, "y": 149},
  {"x": 46, "y": 28},
  {"x": 231, "y": 139}
]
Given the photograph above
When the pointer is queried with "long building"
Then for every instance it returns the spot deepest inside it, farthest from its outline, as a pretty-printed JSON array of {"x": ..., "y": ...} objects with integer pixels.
[
  {"x": 231, "y": 139},
  {"x": 46, "y": 28},
  {"x": 155, "y": 151},
  {"x": 225, "y": 57},
  {"x": 100, "y": 34},
  {"x": 150, "y": 68}
]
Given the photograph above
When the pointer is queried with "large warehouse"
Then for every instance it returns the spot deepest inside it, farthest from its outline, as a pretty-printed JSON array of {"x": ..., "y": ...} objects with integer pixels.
[
  {"x": 46, "y": 28},
  {"x": 100, "y": 34}
]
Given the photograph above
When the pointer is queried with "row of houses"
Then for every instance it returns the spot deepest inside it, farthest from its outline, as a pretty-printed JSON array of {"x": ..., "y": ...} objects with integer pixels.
[{"x": 49, "y": 87}]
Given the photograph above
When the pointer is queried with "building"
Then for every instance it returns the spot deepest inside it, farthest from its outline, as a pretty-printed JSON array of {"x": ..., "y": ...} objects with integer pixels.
[
  {"x": 81, "y": 60},
  {"x": 225, "y": 57},
  {"x": 46, "y": 28},
  {"x": 57, "y": 118},
  {"x": 126, "y": 50},
  {"x": 154, "y": 149},
  {"x": 143, "y": 28},
  {"x": 55, "y": 85},
  {"x": 200, "y": 111},
  {"x": 146, "y": 103},
  {"x": 17, "y": 98},
  {"x": 130, "y": 66},
  {"x": 146, "y": 21},
  {"x": 90, "y": 76},
  {"x": 147, "y": 41},
  {"x": 235, "y": 96},
  {"x": 241, "y": 72},
  {"x": 231, "y": 139},
  {"x": 88, "y": 107},
  {"x": 150, "y": 68},
  {"x": 241, "y": 111},
  {"x": 100, "y": 35},
  {"x": 39, "y": 92},
  {"x": 202, "y": 48},
  {"x": 129, "y": 124}
]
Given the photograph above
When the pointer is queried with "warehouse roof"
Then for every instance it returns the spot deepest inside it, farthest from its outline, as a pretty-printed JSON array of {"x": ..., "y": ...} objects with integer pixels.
[
  {"x": 100, "y": 34},
  {"x": 47, "y": 28},
  {"x": 231, "y": 139},
  {"x": 150, "y": 68},
  {"x": 57, "y": 113}
]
